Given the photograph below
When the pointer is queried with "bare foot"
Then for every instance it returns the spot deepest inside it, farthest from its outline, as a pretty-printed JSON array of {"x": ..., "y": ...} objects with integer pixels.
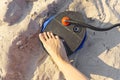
[{"x": 53, "y": 45}]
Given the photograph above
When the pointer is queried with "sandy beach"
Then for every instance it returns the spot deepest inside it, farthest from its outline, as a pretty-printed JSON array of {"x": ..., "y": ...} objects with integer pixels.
[{"x": 22, "y": 56}]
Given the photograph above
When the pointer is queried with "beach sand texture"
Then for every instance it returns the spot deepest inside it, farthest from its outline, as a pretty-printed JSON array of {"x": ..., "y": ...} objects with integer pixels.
[{"x": 22, "y": 56}]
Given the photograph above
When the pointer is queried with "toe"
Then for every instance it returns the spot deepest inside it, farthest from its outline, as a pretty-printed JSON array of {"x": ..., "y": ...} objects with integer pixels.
[
  {"x": 52, "y": 35},
  {"x": 56, "y": 37},
  {"x": 41, "y": 37},
  {"x": 45, "y": 35},
  {"x": 48, "y": 34}
]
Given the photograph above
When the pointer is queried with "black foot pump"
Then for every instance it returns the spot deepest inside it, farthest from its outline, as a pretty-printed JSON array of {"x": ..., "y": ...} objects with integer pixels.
[{"x": 70, "y": 27}]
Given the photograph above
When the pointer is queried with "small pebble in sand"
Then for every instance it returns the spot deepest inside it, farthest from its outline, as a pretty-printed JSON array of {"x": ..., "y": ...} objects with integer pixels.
[
  {"x": 5, "y": 2},
  {"x": 19, "y": 43},
  {"x": 35, "y": 13}
]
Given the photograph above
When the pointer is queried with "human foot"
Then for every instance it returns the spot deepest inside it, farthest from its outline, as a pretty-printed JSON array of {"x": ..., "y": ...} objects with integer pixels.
[{"x": 53, "y": 45}]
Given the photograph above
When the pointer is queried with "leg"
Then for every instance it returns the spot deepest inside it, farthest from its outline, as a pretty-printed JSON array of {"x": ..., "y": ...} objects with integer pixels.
[{"x": 57, "y": 51}]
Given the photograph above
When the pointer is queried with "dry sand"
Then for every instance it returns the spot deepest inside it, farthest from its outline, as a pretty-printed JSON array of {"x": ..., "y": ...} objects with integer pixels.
[{"x": 22, "y": 56}]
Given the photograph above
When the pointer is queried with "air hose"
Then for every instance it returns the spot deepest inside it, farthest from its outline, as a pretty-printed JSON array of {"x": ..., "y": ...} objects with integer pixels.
[{"x": 67, "y": 21}]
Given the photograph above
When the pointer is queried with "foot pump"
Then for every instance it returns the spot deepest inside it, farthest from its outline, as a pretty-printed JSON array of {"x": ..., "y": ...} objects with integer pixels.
[{"x": 70, "y": 27}]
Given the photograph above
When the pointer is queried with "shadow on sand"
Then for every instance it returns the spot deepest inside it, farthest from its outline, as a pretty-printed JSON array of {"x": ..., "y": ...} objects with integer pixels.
[
  {"x": 26, "y": 52},
  {"x": 87, "y": 59}
]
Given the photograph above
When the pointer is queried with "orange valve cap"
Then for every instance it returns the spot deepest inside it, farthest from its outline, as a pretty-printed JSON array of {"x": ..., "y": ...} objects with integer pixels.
[{"x": 64, "y": 21}]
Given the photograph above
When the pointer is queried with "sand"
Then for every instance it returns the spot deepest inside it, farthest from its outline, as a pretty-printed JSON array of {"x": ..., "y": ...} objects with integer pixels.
[{"x": 22, "y": 56}]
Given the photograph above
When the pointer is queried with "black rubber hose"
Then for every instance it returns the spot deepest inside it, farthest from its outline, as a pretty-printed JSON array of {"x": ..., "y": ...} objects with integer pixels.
[{"x": 84, "y": 25}]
